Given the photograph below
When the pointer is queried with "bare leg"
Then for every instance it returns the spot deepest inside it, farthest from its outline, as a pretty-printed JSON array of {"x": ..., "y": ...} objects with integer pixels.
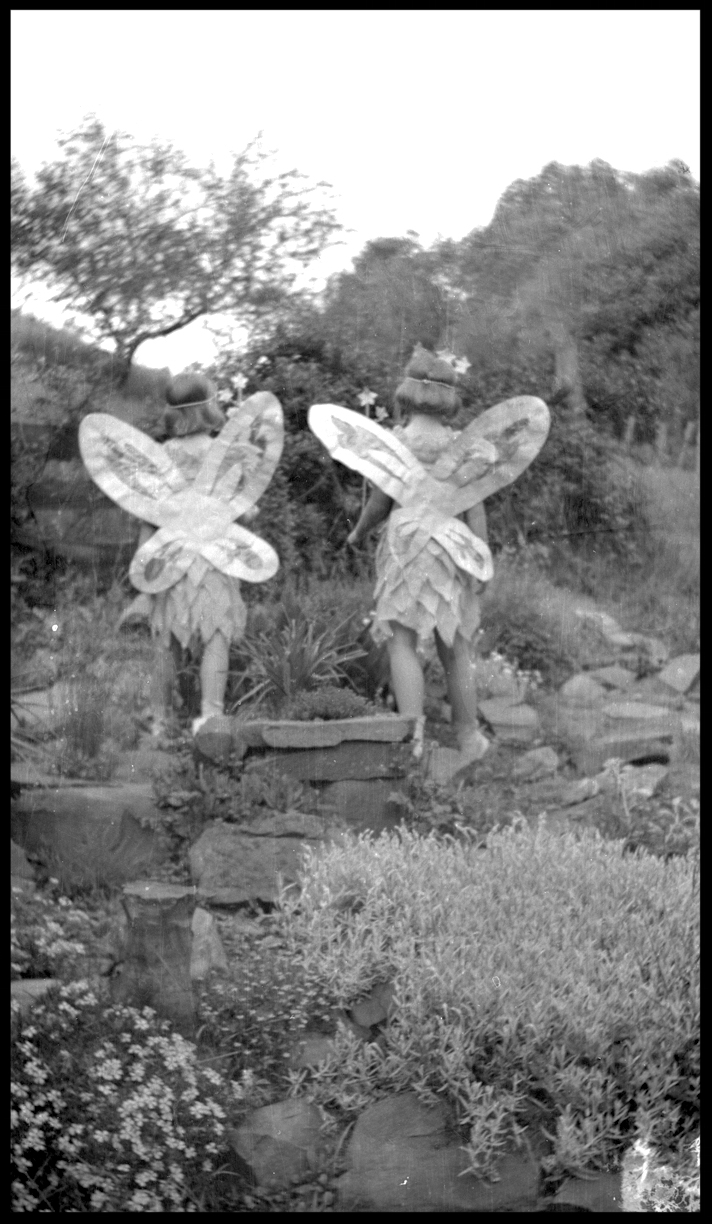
[
  {"x": 407, "y": 679},
  {"x": 213, "y": 677},
  {"x": 163, "y": 681},
  {"x": 462, "y": 690}
]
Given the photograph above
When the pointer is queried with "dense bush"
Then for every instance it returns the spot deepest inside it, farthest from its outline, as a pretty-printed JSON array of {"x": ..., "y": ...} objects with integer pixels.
[{"x": 558, "y": 969}]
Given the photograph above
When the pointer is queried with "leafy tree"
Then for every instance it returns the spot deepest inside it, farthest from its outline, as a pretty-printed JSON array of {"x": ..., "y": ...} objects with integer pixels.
[
  {"x": 592, "y": 263},
  {"x": 391, "y": 301},
  {"x": 144, "y": 244}
]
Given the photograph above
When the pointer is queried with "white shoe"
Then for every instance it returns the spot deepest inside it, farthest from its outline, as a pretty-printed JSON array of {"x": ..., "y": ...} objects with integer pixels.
[
  {"x": 418, "y": 738},
  {"x": 473, "y": 746},
  {"x": 199, "y": 722}
]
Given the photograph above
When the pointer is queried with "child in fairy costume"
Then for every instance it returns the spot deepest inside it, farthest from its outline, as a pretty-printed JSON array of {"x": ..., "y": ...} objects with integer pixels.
[
  {"x": 429, "y": 593},
  {"x": 432, "y": 559},
  {"x": 204, "y": 603},
  {"x": 193, "y": 487}
]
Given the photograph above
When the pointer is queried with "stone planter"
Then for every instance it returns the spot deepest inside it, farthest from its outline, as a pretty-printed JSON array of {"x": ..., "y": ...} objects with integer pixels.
[
  {"x": 354, "y": 762},
  {"x": 157, "y": 967}
]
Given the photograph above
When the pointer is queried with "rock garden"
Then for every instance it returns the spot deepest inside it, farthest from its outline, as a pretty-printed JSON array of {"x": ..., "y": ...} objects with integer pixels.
[{"x": 281, "y": 966}]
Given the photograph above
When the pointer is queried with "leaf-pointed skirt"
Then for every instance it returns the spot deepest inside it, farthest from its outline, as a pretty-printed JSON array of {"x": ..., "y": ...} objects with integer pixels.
[
  {"x": 421, "y": 586},
  {"x": 203, "y": 602}
]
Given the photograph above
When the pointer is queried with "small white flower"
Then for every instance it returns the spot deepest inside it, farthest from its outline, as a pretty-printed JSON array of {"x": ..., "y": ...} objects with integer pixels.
[{"x": 366, "y": 398}]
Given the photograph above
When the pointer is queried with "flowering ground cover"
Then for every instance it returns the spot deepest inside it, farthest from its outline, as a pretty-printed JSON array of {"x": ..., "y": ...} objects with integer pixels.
[{"x": 513, "y": 966}]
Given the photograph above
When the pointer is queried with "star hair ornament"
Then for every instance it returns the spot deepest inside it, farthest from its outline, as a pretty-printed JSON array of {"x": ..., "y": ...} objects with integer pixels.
[{"x": 194, "y": 517}]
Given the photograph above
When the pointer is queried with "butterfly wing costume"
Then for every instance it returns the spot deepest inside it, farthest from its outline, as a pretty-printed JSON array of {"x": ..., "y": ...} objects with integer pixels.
[
  {"x": 192, "y": 489},
  {"x": 429, "y": 564}
]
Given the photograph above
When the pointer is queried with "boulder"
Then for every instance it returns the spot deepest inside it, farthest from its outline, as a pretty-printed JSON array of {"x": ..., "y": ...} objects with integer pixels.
[
  {"x": 406, "y": 1156},
  {"x": 606, "y": 625},
  {"x": 232, "y": 865},
  {"x": 280, "y": 1141},
  {"x": 97, "y": 834},
  {"x": 73, "y": 519},
  {"x": 495, "y": 679},
  {"x": 442, "y": 765},
  {"x": 369, "y": 804},
  {"x": 535, "y": 764},
  {"x": 582, "y": 690},
  {"x": 681, "y": 672},
  {"x": 30, "y": 990}
]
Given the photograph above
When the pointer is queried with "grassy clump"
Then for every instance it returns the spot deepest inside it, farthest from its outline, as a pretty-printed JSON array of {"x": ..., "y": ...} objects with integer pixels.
[{"x": 543, "y": 972}]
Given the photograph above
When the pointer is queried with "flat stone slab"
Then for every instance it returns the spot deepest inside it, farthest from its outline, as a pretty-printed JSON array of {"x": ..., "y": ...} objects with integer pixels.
[
  {"x": 626, "y": 641},
  {"x": 681, "y": 672},
  {"x": 614, "y": 677},
  {"x": 652, "y": 690},
  {"x": 323, "y": 733},
  {"x": 343, "y": 762},
  {"x": 628, "y": 745},
  {"x": 513, "y": 723},
  {"x": 635, "y": 711}
]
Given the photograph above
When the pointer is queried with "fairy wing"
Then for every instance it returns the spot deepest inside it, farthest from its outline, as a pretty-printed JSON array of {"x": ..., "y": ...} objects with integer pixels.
[
  {"x": 241, "y": 554},
  {"x": 516, "y": 428},
  {"x": 242, "y": 459},
  {"x": 128, "y": 466},
  {"x": 367, "y": 448},
  {"x": 167, "y": 556},
  {"x": 161, "y": 561},
  {"x": 194, "y": 524}
]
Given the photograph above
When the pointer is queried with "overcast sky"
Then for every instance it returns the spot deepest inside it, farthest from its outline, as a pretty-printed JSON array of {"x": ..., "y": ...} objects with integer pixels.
[{"x": 419, "y": 119}]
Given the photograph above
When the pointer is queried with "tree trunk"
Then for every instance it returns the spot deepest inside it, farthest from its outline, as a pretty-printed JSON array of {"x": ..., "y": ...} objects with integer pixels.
[
  {"x": 629, "y": 434},
  {"x": 156, "y": 970},
  {"x": 661, "y": 442},
  {"x": 568, "y": 386},
  {"x": 688, "y": 448}
]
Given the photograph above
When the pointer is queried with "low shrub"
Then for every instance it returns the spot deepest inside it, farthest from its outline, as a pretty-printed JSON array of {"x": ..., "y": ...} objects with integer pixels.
[
  {"x": 48, "y": 935},
  {"x": 294, "y": 654},
  {"x": 551, "y": 972},
  {"x": 110, "y": 1111},
  {"x": 327, "y": 702}
]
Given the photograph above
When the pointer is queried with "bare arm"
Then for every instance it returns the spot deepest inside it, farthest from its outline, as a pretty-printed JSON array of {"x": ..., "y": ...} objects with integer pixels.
[
  {"x": 377, "y": 508},
  {"x": 476, "y": 521},
  {"x": 146, "y": 530}
]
